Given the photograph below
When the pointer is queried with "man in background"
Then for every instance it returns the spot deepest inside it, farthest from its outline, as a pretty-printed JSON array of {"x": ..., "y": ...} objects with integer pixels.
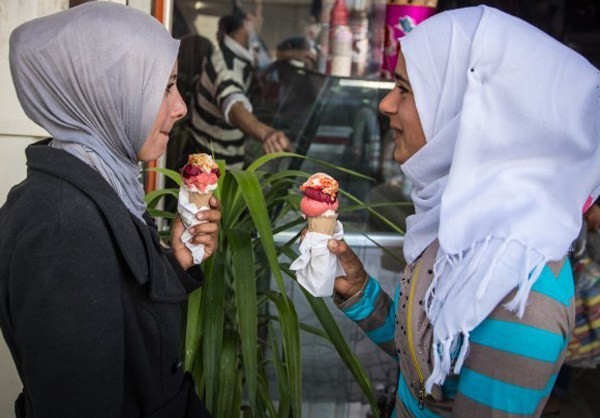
[{"x": 221, "y": 113}]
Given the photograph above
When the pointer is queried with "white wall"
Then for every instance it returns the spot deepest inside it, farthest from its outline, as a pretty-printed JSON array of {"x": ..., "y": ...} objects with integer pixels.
[{"x": 16, "y": 132}]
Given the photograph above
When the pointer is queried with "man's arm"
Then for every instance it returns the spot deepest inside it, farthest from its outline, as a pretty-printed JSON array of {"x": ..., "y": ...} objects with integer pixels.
[{"x": 272, "y": 139}]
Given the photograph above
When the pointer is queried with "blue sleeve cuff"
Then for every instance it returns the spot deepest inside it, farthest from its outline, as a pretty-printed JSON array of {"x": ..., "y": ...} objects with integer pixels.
[{"x": 364, "y": 305}]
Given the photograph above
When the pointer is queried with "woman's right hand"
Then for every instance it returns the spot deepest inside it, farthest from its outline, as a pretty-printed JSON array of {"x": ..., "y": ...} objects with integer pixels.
[
  {"x": 205, "y": 233},
  {"x": 356, "y": 276}
]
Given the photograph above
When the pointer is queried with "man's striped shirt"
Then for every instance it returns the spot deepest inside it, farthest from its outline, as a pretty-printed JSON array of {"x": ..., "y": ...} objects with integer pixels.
[{"x": 225, "y": 80}]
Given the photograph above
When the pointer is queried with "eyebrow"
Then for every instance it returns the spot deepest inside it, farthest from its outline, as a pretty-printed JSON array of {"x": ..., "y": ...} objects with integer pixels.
[{"x": 398, "y": 77}]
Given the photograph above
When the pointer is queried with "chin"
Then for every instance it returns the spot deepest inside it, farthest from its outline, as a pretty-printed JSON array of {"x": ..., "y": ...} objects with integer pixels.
[
  {"x": 399, "y": 157},
  {"x": 150, "y": 156}
]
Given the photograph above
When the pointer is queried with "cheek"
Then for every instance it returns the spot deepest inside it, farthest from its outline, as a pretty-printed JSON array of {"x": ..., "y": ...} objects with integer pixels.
[
  {"x": 414, "y": 129},
  {"x": 162, "y": 116},
  {"x": 154, "y": 147}
]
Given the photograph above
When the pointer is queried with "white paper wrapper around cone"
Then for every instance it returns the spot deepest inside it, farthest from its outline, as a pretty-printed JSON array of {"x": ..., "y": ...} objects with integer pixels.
[
  {"x": 188, "y": 210},
  {"x": 316, "y": 267},
  {"x": 323, "y": 224}
]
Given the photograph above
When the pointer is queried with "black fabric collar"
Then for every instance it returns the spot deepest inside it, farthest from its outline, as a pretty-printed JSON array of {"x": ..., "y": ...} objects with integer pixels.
[{"x": 124, "y": 226}]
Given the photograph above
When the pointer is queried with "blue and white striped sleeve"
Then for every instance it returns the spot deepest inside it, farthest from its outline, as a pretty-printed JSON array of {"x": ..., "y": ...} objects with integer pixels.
[{"x": 374, "y": 312}]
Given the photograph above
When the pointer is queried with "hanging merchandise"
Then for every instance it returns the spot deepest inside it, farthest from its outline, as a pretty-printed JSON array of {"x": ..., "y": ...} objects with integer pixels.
[
  {"x": 323, "y": 58},
  {"x": 401, "y": 17},
  {"x": 377, "y": 32},
  {"x": 340, "y": 41},
  {"x": 359, "y": 25}
]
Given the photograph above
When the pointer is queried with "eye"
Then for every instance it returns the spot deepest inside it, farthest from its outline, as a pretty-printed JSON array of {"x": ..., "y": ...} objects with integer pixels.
[
  {"x": 402, "y": 89},
  {"x": 169, "y": 87}
]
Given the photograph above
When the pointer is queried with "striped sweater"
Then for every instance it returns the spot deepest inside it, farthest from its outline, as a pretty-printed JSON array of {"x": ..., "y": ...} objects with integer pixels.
[
  {"x": 511, "y": 365},
  {"x": 225, "y": 79}
]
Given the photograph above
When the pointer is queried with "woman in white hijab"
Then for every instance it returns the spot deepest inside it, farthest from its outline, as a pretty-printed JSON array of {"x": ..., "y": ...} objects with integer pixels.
[
  {"x": 90, "y": 300},
  {"x": 496, "y": 125}
]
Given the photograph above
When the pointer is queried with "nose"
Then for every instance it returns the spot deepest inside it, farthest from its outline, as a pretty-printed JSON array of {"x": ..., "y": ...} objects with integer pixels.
[
  {"x": 387, "y": 105},
  {"x": 179, "y": 108}
]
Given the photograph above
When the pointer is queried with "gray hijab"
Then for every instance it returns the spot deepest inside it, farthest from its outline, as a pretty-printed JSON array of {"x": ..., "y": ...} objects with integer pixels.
[{"x": 94, "y": 77}]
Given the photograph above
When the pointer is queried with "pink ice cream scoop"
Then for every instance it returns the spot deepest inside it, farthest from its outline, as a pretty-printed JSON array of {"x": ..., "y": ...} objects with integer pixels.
[
  {"x": 311, "y": 207},
  {"x": 320, "y": 195},
  {"x": 201, "y": 173}
]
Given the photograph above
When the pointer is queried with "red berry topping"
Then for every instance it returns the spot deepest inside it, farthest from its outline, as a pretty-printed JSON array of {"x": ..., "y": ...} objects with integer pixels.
[
  {"x": 317, "y": 195},
  {"x": 190, "y": 171}
]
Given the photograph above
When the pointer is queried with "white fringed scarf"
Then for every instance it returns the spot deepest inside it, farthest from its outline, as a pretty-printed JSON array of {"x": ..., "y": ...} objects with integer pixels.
[
  {"x": 511, "y": 118},
  {"x": 94, "y": 77}
]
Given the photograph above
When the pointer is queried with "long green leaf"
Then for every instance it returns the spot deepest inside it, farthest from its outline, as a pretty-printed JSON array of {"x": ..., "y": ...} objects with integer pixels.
[
  {"x": 282, "y": 387},
  {"x": 374, "y": 212},
  {"x": 290, "y": 329},
  {"x": 152, "y": 198},
  {"x": 268, "y": 157},
  {"x": 263, "y": 159},
  {"x": 198, "y": 373},
  {"x": 193, "y": 328},
  {"x": 155, "y": 213},
  {"x": 245, "y": 290},
  {"x": 289, "y": 225},
  {"x": 237, "y": 396},
  {"x": 254, "y": 199},
  {"x": 213, "y": 329},
  {"x": 304, "y": 327},
  {"x": 286, "y": 174},
  {"x": 265, "y": 397},
  {"x": 227, "y": 376},
  {"x": 194, "y": 322},
  {"x": 172, "y": 174},
  {"x": 233, "y": 204}
]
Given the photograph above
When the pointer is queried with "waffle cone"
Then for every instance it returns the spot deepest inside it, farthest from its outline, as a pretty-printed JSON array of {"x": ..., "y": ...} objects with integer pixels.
[
  {"x": 323, "y": 224},
  {"x": 200, "y": 199}
]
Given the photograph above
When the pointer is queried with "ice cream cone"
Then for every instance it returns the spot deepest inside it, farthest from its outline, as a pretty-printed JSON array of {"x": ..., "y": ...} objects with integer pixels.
[
  {"x": 201, "y": 199},
  {"x": 323, "y": 224}
]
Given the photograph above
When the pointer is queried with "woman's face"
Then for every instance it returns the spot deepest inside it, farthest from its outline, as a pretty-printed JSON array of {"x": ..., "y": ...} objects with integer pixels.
[
  {"x": 171, "y": 110},
  {"x": 399, "y": 105}
]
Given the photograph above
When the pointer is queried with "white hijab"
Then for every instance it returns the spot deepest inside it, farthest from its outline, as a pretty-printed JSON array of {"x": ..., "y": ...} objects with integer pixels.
[
  {"x": 94, "y": 77},
  {"x": 511, "y": 119}
]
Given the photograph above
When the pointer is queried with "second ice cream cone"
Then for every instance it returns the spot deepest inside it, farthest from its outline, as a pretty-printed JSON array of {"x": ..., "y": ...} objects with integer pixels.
[{"x": 323, "y": 224}]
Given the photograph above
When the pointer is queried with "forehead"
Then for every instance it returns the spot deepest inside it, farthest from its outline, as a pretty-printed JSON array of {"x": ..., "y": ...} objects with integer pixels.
[{"x": 401, "y": 68}]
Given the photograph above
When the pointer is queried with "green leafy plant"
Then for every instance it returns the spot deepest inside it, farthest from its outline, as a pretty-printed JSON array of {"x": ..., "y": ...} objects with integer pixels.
[{"x": 231, "y": 338}]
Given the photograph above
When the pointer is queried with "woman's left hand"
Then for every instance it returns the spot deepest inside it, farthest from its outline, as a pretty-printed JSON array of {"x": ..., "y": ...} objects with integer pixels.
[
  {"x": 592, "y": 217},
  {"x": 204, "y": 233}
]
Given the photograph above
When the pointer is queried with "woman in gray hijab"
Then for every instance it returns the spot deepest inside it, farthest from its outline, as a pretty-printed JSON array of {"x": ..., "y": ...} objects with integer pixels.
[{"x": 90, "y": 300}]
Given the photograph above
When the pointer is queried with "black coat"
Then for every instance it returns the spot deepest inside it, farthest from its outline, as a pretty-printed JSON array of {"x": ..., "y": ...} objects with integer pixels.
[{"x": 90, "y": 302}]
